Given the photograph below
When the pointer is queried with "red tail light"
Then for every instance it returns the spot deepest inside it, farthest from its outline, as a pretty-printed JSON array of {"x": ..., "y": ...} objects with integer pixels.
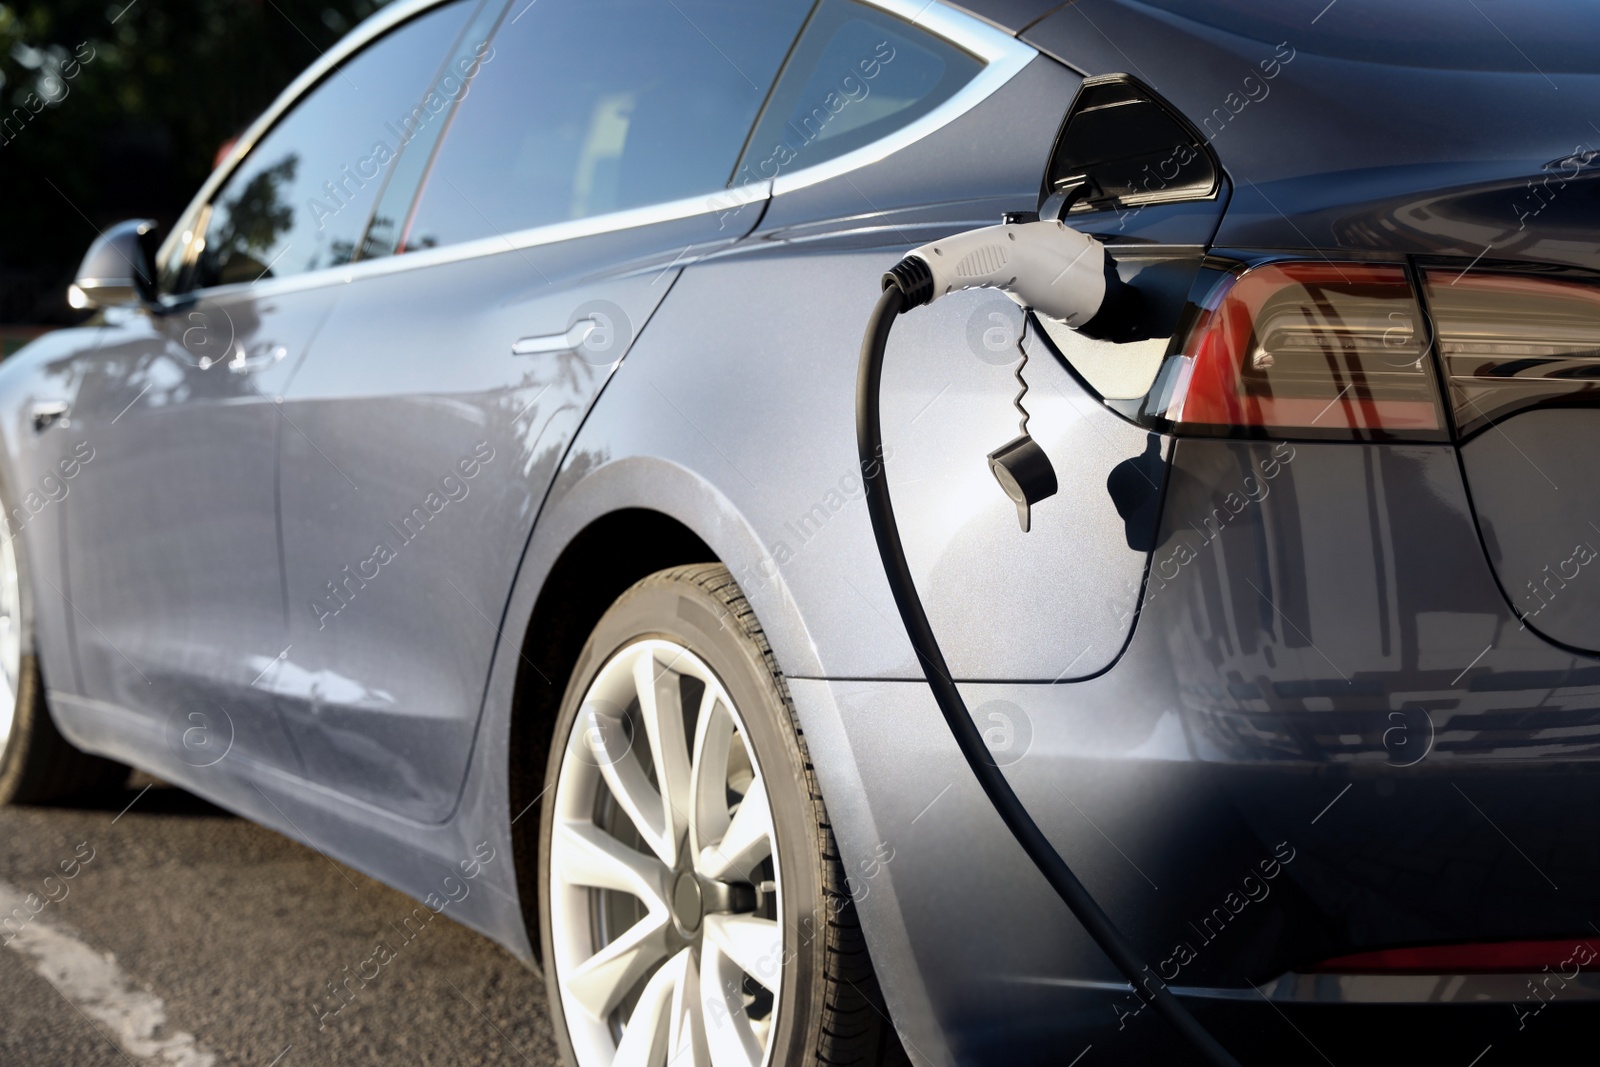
[
  {"x": 1311, "y": 349},
  {"x": 1503, "y": 957}
]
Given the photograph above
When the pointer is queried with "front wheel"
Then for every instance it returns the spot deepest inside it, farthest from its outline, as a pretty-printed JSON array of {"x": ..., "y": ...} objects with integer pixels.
[{"x": 692, "y": 904}]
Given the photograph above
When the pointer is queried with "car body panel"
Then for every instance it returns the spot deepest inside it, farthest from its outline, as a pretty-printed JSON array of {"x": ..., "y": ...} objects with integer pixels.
[
  {"x": 949, "y": 400},
  {"x": 1168, "y": 781},
  {"x": 411, "y": 856},
  {"x": 46, "y": 371},
  {"x": 177, "y": 517},
  {"x": 1180, "y": 699},
  {"x": 384, "y": 683},
  {"x": 1541, "y": 536},
  {"x": 1010, "y": 15},
  {"x": 799, "y": 486}
]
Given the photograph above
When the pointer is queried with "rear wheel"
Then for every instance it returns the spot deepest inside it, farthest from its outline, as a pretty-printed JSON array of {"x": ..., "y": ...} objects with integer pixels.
[
  {"x": 37, "y": 764},
  {"x": 692, "y": 904}
]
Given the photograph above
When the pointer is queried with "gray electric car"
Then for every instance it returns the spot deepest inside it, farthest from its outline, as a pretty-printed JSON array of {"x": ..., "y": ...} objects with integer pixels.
[{"x": 467, "y": 485}]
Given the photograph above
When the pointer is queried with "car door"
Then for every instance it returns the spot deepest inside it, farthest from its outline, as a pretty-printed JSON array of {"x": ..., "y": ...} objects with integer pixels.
[
  {"x": 569, "y": 187},
  {"x": 172, "y": 548}
]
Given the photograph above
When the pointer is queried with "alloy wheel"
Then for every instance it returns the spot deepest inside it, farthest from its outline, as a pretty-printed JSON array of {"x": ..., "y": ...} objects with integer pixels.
[{"x": 665, "y": 898}]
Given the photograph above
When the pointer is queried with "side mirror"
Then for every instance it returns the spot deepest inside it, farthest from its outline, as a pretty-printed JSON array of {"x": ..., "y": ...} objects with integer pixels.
[{"x": 117, "y": 270}]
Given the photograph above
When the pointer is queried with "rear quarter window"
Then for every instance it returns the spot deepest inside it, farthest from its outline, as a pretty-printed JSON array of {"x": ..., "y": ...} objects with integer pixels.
[{"x": 856, "y": 75}]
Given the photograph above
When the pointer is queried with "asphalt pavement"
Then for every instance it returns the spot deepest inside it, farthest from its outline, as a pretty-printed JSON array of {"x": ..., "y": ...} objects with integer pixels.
[{"x": 175, "y": 934}]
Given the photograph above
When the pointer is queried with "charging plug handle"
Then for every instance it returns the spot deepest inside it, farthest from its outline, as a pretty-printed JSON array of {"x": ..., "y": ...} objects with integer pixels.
[{"x": 1046, "y": 266}]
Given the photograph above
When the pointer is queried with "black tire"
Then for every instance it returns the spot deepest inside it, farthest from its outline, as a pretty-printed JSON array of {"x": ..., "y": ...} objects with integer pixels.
[
  {"x": 37, "y": 764},
  {"x": 830, "y": 1010}
]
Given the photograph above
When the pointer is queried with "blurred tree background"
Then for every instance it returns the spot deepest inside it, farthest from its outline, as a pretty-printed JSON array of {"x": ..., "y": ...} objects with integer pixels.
[{"x": 111, "y": 110}]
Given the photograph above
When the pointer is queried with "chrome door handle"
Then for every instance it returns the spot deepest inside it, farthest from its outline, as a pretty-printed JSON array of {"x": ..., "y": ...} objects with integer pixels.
[
  {"x": 570, "y": 341},
  {"x": 242, "y": 364},
  {"x": 47, "y": 412}
]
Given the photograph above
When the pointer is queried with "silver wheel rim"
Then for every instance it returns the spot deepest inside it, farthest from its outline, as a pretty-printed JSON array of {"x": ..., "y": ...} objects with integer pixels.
[
  {"x": 10, "y": 638},
  {"x": 666, "y": 910}
]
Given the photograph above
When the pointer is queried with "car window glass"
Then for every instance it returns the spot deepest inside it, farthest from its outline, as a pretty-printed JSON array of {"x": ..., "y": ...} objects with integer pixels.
[
  {"x": 593, "y": 106},
  {"x": 857, "y": 74},
  {"x": 420, "y": 138},
  {"x": 300, "y": 199}
]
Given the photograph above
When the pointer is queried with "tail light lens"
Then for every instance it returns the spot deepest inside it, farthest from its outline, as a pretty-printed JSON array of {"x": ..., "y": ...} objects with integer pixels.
[
  {"x": 1514, "y": 341},
  {"x": 1503, "y": 957},
  {"x": 1332, "y": 350}
]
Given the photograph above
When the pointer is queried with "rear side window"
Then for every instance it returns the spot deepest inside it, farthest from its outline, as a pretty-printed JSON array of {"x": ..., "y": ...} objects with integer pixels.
[
  {"x": 856, "y": 75},
  {"x": 594, "y": 106},
  {"x": 300, "y": 200}
]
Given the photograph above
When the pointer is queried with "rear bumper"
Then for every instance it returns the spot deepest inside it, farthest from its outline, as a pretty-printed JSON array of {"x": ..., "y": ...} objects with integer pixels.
[
  {"x": 1327, "y": 734},
  {"x": 982, "y": 964}
]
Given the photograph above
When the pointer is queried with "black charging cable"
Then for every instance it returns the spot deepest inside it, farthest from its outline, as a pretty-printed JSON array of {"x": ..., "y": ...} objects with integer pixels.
[{"x": 910, "y": 284}]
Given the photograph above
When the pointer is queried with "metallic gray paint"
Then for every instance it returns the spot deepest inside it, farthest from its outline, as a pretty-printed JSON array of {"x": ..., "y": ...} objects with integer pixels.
[
  {"x": 1206, "y": 748},
  {"x": 176, "y": 517},
  {"x": 1531, "y": 478},
  {"x": 44, "y": 371},
  {"x": 1253, "y": 694},
  {"x": 261, "y": 777},
  {"x": 382, "y": 690}
]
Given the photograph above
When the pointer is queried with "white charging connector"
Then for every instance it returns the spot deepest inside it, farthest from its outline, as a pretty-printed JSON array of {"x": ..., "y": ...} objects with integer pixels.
[{"x": 1046, "y": 266}]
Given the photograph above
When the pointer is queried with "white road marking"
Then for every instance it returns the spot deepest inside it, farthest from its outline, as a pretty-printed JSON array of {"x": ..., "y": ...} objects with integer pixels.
[{"x": 99, "y": 988}]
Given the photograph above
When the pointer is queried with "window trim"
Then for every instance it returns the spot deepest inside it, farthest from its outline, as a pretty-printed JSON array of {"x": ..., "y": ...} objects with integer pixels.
[
  {"x": 553, "y": 233},
  {"x": 1003, "y": 56}
]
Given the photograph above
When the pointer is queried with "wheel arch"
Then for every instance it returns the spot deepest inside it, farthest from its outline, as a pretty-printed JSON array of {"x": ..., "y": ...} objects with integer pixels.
[
  {"x": 604, "y": 528},
  {"x": 594, "y": 568}
]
